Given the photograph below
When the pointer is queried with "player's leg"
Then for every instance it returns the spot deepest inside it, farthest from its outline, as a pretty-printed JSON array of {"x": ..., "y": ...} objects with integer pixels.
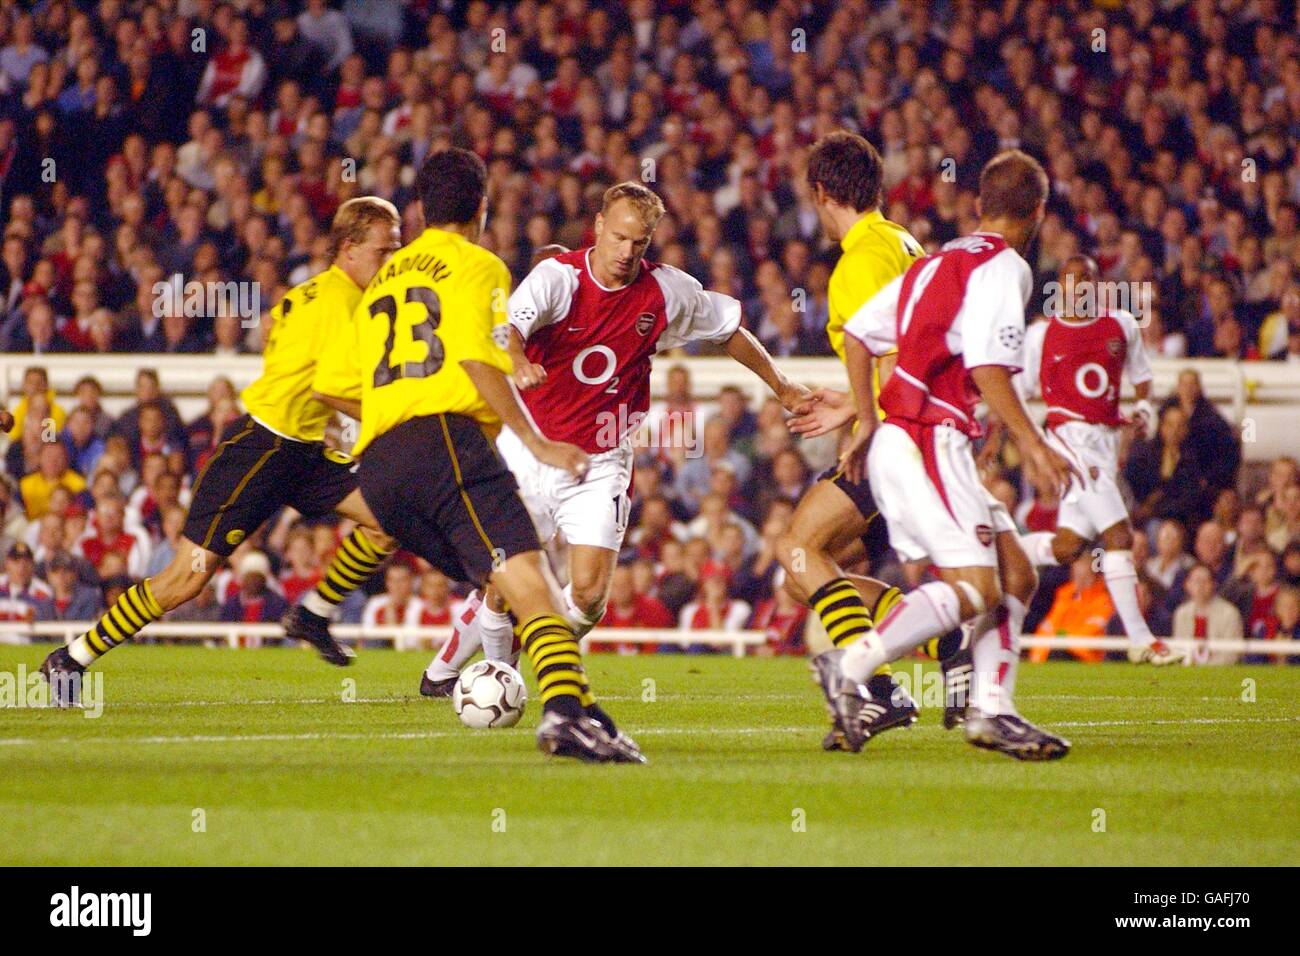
[
  {"x": 239, "y": 488},
  {"x": 1050, "y": 548},
  {"x": 992, "y": 721},
  {"x": 139, "y": 605},
  {"x": 437, "y": 485},
  {"x": 483, "y": 622},
  {"x": 838, "y": 518},
  {"x": 590, "y": 570},
  {"x": 1120, "y": 574},
  {"x": 326, "y": 481}
]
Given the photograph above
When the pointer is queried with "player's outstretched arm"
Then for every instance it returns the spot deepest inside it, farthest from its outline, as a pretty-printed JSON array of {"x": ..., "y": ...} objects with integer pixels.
[
  {"x": 1049, "y": 472},
  {"x": 526, "y": 373},
  {"x": 858, "y": 361},
  {"x": 348, "y": 406},
  {"x": 825, "y": 411},
  {"x": 749, "y": 352},
  {"x": 495, "y": 388}
]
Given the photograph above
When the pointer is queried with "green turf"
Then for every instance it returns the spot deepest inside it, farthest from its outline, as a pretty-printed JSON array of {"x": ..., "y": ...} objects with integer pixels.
[{"x": 286, "y": 772}]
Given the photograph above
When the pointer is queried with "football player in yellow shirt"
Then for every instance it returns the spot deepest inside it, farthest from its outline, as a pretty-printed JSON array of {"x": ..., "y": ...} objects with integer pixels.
[
  {"x": 837, "y": 523},
  {"x": 435, "y": 390},
  {"x": 274, "y": 456}
]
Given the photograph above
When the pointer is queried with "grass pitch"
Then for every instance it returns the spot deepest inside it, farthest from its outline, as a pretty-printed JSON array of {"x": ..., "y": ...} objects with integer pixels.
[{"x": 255, "y": 757}]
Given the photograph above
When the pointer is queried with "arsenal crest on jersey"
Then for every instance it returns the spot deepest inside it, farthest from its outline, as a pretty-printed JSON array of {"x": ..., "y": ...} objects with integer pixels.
[
  {"x": 1114, "y": 346},
  {"x": 644, "y": 323}
]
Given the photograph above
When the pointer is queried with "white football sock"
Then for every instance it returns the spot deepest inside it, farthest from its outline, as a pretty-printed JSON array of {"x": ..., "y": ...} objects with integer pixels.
[
  {"x": 996, "y": 653},
  {"x": 466, "y": 639},
  {"x": 319, "y": 606},
  {"x": 81, "y": 652},
  {"x": 931, "y": 609},
  {"x": 1039, "y": 548},
  {"x": 1017, "y": 611},
  {"x": 497, "y": 633},
  {"x": 577, "y": 617},
  {"x": 1121, "y": 581}
]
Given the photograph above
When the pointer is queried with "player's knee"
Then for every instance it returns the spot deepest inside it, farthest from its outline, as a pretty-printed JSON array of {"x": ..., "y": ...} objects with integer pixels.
[
  {"x": 975, "y": 597},
  {"x": 589, "y": 597},
  {"x": 790, "y": 550},
  {"x": 1117, "y": 538},
  {"x": 381, "y": 541},
  {"x": 1019, "y": 578},
  {"x": 1067, "y": 547}
]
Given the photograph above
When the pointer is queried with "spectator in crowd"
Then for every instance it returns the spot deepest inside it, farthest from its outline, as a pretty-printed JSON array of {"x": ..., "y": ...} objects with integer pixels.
[
  {"x": 83, "y": 444},
  {"x": 1286, "y": 527},
  {"x": 70, "y": 600},
  {"x": 1207, "y": 430},
  {"x": 627, "y": 608},
  {"x": 1282, "y": 473},
  {"x": 1250, "y": 538},
  {"x": 110, "y": 535},
  {"x": 53, "y": 472},
  {"x": 398, "y": 605},
  {"x": 1284, "y": 625},
  {"x": 1171, "y": 559},
  {"x": 1081, "y": 608},
  {"x": 300, "y": 570},
  {"x": 1205, "y": 616},
  {"x": 254, "y": 601},
  {"x": 23, "y": 596},
  {"x": 1255, "y": 593},
  {"x": 436, "y": 605},
  {"x": 1210, "y": 550},
  {"x": 781, "y": 618},
  {"x": 715, "y": 609},
  {"x": 1168, "y": 474}
]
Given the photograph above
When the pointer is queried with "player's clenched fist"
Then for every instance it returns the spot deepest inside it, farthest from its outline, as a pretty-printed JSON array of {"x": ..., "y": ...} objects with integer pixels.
[
  {"x": 1049, "y": 471},
  {"x": 527, "y": 374},
  {"x": 560, "y": 454}
]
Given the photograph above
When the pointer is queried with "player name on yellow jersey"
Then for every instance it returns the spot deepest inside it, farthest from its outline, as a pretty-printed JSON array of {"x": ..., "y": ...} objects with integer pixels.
[
  {"x": 430, "y": 308},
  {"x": 312, "y": 320}
]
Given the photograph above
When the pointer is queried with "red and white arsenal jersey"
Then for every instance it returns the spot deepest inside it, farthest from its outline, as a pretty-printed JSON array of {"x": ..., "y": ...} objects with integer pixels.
[
  {"x": 596, "y": 343},
  {"x": 955, "y": 310},
  {"x": 1077, "y": 366}
]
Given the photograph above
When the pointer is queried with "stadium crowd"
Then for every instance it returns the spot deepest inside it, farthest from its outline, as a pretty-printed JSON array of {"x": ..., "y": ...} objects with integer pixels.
[{"x": 143, "y": 140}]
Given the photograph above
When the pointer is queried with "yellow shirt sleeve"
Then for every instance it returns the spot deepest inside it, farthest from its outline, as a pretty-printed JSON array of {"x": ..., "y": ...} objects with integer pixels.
[{"x": 486, "y": 292}]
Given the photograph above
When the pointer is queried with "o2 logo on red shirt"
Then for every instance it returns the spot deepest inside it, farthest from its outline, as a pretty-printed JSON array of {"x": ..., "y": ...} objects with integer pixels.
[{"x": 605, "y": 374}]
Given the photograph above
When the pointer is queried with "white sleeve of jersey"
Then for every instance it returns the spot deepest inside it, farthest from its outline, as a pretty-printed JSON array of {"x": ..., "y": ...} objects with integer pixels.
[
  {"x": 875, "y": 324},
  {"x": 1136, "y": 364},
  {"x": 1029, "y": 381},
  {"x": 543, "y": 297},
  {"x": 694, "y": 314},
  {"x": 991, "y": 321}
]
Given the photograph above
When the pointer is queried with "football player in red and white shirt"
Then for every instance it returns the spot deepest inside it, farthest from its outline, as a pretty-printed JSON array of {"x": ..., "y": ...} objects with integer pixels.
[
  {"x": 1076, "y": 364},
  {"x": 583, "y": 328},
  {"x": 957, "y": 320}
]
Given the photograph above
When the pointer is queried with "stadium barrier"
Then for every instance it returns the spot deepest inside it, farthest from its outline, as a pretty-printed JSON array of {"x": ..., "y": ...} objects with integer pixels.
[
  {"x": 238, "y": 634},
  {"x": 1263, "y": 398}
]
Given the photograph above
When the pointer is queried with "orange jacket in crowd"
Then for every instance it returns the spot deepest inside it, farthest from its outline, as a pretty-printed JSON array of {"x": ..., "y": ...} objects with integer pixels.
[{"x": 1076, "y": 612}]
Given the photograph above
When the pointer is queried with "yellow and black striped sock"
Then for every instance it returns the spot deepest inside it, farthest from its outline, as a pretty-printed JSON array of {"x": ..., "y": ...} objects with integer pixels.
[
  {"x": 884, "y": 604},
  {"x": 354, "y": 561},
  {"x": 941, "y": 648},
  {"x": 842, "y": 612},
  {"x": 121, "y": 622},
  {"x": 552, "y": 649}
]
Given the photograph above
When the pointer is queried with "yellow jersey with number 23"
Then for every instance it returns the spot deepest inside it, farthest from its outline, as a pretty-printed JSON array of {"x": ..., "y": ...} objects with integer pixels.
[{"x": 429, "y": 308}]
